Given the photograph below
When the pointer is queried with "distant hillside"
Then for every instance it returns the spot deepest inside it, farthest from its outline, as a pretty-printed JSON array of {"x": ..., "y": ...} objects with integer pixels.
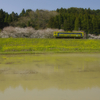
[{"x": 68, "y": 19}]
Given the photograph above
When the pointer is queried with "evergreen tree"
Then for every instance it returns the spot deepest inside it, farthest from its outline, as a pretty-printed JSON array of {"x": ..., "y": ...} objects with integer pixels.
[
  {"x": 95, "y": 25},
  {"x": 51, "y": 22},
  {"x": 28, "y": 24},
  {"x": 9, "y": 19},
  {"x": 14, "y": 16},
  {"x": 27, "y": 12},
  {"x": 84, "y": 23},
  {"x": 22, "y": 13},
  {"x": 1, "y": 19},
  {"x": 67, "y": 24},
  {"x": 77, "y": 24},
  {"x": 89, "y": 25},
  {"x": 61, "y": 21},
  {"x": 6, "y": 20},
  {"x": 56, "y": 22}
]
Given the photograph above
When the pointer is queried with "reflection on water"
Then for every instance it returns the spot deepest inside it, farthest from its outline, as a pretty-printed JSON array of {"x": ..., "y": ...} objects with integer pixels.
[
  {"x": 50, "y": 94},
  {"x": 50, "y": 77}
]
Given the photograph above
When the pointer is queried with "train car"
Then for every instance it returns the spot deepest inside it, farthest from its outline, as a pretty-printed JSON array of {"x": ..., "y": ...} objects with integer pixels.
[{"x": 65, "y": 34}]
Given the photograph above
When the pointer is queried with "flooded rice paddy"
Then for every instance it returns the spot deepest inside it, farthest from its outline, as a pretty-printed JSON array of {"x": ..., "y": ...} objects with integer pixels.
[{"x": 50, "y": 77}]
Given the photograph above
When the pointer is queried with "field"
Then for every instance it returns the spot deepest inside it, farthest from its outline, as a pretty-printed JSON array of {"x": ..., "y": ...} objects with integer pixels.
[{"x": 30, "y": 45}]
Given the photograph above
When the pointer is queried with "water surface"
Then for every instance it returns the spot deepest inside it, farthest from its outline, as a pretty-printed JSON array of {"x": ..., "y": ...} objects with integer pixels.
[{"x": 50, "y": 77}]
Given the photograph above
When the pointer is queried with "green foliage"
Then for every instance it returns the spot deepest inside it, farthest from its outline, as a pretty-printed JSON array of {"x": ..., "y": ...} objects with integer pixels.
[
  {"x": 2, "y": 16},
  {"x": 77, "y": 24},
  {"x": 78, "y": 19},
  {"x": 9, "y": 19},
  {"x": 95, "y": 24},
  {"x": 37, "y": 19},
  {"x": 14, "y": 16},
  {"x": 28, "y": 24},
  {"x": 22, "y": 13},
  {"x": 65, "y": 25},
  {"x": 68, "y": 19},
  {"x": 27, "y": 12},
  {"x": 6, "y": 19}
]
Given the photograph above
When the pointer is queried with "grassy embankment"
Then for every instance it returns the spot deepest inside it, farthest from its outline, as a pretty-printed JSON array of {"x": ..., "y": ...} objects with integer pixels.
[{"x": 30, "y": 45}]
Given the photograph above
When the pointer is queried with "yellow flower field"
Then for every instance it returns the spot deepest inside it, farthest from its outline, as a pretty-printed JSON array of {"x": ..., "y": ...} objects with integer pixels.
[{"x": 49, "y": 45}]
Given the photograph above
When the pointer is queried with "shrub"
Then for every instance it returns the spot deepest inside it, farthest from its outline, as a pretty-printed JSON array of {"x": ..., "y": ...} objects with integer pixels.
[{"x": 27, "y": 32}]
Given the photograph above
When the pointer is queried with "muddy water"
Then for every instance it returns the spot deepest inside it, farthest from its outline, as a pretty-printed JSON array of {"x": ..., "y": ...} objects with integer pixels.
[{"x": 50, "y": 77}]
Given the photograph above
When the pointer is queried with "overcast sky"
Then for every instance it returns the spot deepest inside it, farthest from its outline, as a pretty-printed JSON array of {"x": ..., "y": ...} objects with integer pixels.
[{"x": 18, "y": 5}]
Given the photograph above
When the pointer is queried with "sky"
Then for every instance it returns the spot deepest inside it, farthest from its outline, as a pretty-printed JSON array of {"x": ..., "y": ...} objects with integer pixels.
[{"x": 17, "y": 5}]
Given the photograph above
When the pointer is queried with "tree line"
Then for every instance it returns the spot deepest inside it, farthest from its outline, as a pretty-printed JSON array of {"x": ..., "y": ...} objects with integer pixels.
[
  {"x": 6, "y": 19},
  {"x": 37, "y": 19},
  {"x": 77, "y": 19},
  {"x": 68, "y": 19}
]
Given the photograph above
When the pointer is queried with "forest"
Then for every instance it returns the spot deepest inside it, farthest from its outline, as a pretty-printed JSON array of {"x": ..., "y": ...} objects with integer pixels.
[{"x": 70, "y": 19}]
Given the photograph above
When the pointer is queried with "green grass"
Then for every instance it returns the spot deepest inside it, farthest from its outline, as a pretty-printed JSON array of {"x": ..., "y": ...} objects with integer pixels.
[{"x": 31, "y": 45}]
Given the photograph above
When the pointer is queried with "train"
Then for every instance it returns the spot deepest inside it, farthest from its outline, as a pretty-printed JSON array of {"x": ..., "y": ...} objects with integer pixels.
[{"x": 68, "y": 34}]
